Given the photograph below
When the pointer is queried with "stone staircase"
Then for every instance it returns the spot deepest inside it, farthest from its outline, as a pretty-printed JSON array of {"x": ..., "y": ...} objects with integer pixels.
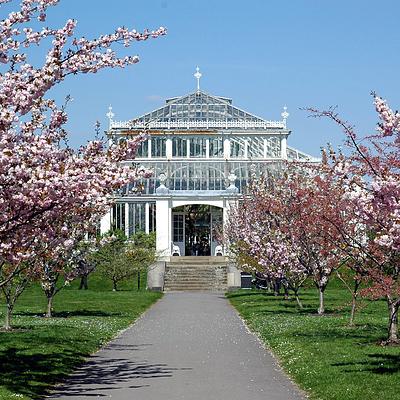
[{"x": 196, "y": 273}]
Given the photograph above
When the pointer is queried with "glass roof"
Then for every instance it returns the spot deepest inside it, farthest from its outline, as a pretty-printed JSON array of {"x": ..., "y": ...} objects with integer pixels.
[{"x": 198, "y": 106}]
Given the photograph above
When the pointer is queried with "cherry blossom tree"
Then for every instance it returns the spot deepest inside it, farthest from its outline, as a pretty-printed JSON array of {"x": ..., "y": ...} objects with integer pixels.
[
  {"x": 285, "y": 224},
  {"x": 42, "y": 180},
  {"x": 350, "y": 235},
  {"x": 58, "y": 264},
  {"x": 372, "y": 179},
  {"x": 12, "y": 290},
  {"x": 311, "y": 205},
  {"x": 257, "y": 232}
]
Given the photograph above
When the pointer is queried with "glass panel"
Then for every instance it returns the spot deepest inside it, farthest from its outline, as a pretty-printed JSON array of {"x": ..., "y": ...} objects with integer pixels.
[
  {"x": 216, "y": 222},
  {"x": 238, "y": 146},
  {"x": 256, "y": 147},
  {"x": 179, "y": 147},
  {"x": 199, "y": 175},
  {"x": 198, "y": 147},
  {"x": 216, "y": 147},
  {"x": 273, "y": 147},
  {"x": 158, "y": 148},
  {"x": 143, "y": 150},
  {"x": 136, "y": 218},
  {"x": 118, "y": 217},
  {"x": 152, "y": 217},
  {"x": 178, "y": 227}
]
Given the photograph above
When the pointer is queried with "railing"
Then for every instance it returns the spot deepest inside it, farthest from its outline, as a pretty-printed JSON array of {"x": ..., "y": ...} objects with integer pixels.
[
  {"x": 197, "y": 124},
  {"x": 295, "y": 154}
]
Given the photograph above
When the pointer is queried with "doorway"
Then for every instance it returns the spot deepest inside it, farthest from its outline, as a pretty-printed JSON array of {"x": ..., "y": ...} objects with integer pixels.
[{"x": 195, "y": 229}]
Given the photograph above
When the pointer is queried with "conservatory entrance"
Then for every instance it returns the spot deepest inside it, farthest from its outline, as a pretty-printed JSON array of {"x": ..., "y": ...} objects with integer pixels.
[{"x": 195, "y": 229}]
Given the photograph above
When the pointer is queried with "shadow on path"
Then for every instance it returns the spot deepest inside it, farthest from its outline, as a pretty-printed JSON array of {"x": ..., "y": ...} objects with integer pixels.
[
  {"x": 97, "y": 376},
  {"x": 100, "y": 374}
]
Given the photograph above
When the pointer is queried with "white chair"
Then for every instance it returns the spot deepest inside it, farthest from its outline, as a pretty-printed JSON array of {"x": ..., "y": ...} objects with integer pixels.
[
  {"x": 218, "y": 251},
  {"x": 176, "y": 251}
]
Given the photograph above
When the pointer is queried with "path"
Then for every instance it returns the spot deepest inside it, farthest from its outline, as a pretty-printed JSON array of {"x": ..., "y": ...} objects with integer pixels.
[{"x": 190, "y": 346}]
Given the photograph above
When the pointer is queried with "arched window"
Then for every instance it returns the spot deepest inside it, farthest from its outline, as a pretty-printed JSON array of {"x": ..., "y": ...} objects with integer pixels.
[{"x": 197, "y": 176}]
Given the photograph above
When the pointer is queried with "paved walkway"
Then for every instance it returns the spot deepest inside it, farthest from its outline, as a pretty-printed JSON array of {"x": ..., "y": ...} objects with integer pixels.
[{"x": 190, "y": 346}]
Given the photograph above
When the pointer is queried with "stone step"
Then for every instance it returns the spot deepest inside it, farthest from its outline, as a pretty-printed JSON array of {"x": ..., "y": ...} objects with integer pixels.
[
  {"x": 190, "y": 260},
  {"x": 195, "y": 282},
  {"x": 204, "y": 275},
  {"x": 201, "y": 274},
  {"x": 196, "y": 290},
  {"x": 195, "y": 268},
  {"x": 199, "y": 269},
  {"x": 188, "y": 283},
  {"x": 192, "y": 272},
  {"x": 192, "y": 277},
  {"x": 195, "y": 287},
  {"x": 197, "y": 262},
  {"x": 196, "y": 273}
]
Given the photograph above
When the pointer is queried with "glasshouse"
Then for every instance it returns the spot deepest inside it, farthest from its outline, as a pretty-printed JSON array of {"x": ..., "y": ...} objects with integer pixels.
[{"x": 202, "y": 150}]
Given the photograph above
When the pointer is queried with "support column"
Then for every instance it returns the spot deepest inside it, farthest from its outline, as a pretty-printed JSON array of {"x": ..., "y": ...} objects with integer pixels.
[
  {"x": 168, "y": 148},
  {"x": 126, "y": 205},
  {"x": 227, "y": 207},
  {"x": 283, "y": 147},
  {"x": 149, "y": 147},
  {"x": 147, "y": 218},
  {"x": 228, "y": 204},
  {"x": 233, "y": 272},
  {"x": 163, "y": 236},
  {"x": 227, "y": 149},
  {"x": 207, "y": 148},
  {"x": 105, "y": 222}
]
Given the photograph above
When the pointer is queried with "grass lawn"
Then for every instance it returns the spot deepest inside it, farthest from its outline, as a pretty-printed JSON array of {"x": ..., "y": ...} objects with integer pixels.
[
  {"x": 324, "y": 356},
  {"x": 40, "y": 351}
]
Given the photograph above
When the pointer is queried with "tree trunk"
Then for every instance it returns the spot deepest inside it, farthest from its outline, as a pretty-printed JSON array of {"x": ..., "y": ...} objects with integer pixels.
[
  {"x": 354, "y": 302},
  {"x": 8, "y": 316},
  {"x": 296, "y": 295},
  {"x": 115, "y": 286},
  {"x": 49, "y": 306},
  {"x": 286, "y": 291},
  {"x": 277, "y": 287},
  {"x": 393, "y": 308},
  {"x": 321, "y": 308},
  {"x": 84, "y": 282},
  {"x": 138, "y": 280},
  {"x": 353, "y": 310}
]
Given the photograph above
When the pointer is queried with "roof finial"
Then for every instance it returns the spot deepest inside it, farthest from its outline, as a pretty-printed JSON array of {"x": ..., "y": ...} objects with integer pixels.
[
  {"x": 285, "y": 115},
  {"x": 110, "y": 115},
  {"x": 197, "y": 75}
]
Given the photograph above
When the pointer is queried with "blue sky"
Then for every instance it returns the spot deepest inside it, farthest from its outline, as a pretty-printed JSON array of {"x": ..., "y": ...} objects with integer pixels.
[{"x": 263, "y": 54}]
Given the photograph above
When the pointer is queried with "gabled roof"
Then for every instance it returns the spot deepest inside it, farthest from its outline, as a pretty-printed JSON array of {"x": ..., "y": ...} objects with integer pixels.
[
  {"x": 198, "y": 106},
  {"x": 198, "y": 110}
]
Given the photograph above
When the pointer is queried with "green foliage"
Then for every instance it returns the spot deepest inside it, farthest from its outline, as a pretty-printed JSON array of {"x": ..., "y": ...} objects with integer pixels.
[
  {"x": 111, "y": 259},
  {"x": 41, "y": 352},
  {"x": 141, "y": 250},
  {"x": 119, "y": 258},
  {"x": 143, "y": 239},
  {"x": 328, "y": 359}
]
